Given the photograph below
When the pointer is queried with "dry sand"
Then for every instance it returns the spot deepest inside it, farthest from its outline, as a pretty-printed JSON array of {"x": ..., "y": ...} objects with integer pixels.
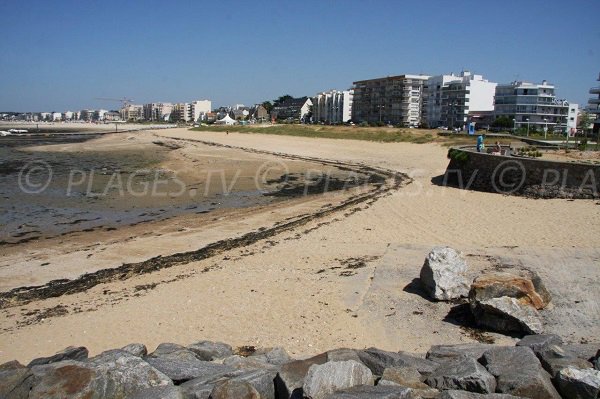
[{"x": 343, "y": 280}]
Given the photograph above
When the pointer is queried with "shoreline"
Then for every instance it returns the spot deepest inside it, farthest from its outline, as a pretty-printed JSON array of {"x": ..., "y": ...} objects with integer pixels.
[{"x": 244, "y": 295}]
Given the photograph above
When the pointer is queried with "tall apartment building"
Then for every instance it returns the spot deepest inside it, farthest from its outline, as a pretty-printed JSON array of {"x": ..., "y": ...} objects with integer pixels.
[
  {"x": 395, "y": 100},
  {"x": 532, "y": 105},
  {"x": 199, "y": 108},
  {"x": 594, "y": 107},
  {"x": 180, "y": 112},
  {"x": 451, "y": 100},
  {"x": 157, "y": 111},
  {"x": 333, "y": 106}
]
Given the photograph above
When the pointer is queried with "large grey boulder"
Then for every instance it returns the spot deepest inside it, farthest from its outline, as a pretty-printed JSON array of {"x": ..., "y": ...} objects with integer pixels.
[
  {"x": 164, "y": 392},
  {"x": 463, "y": 373},
  {"x": 378, "y": 360},
  {"x": 519, "y": 372},
  {"x": 506, "y": 314},
  {"x": 70, "y": 353},
  {"x": 324, "y": 379},
  {"x": 574, "y": 383},
  {"x": 374, "y": 392},
  {"x": 290, "y": 379},
  {"x": 540, "y": 341},
  {"x": 276, "y": 356},
  {"x": 166, "y": 348},
  {"x": 589, "y": 352},
  {"x": 117, "y": 377},
  {"x": 455, "y": 394},
  {"x": 183, "y": 366},
  {"x": 208, "y": 350},
  {"x": 524, "y": 285},
  {"x": 241, "y": 362},
  {"x": 136, "y": 349},
  {"x": 341, "y": 354},
  {"x": 407, "y": 377},
  {"x": 555, "y": 358},
  {"x": 442, "y": 353},
  {"x": 443, "y": 274},
  {"x": 233, "y": 389},
  {"x": 261, "y": 380},
  {"x": 15, "y": 381}
]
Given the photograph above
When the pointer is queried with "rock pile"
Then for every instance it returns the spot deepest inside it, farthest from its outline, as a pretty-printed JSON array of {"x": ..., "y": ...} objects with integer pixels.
[
  {"x": 539, "y": 366},
  {"x": 506, "y": 302}
]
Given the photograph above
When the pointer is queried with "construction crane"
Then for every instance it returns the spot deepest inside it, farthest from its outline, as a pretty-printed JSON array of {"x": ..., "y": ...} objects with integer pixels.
[{"x": 124, "y": 101}]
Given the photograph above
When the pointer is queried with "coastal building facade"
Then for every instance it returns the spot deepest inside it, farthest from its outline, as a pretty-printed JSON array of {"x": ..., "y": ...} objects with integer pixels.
[
  {"x": 532, "y": 106},
  {"x": 453, "y": 100},
  {"x": 132, "y": 112},
  {"x": 333, "y": 106},
  {"x": 157, "y": 111},
  {"x": 393, "y": 100},
  {"x": 593, "y": 107}
]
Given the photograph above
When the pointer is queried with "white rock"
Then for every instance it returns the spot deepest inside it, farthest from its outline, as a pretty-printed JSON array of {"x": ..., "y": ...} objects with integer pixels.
[
  {"x": 324, "y": 379},
  {"x": 443, "y": 274}
]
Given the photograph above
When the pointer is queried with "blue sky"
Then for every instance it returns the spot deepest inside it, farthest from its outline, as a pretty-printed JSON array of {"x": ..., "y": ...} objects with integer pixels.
[{"x": 59, "y": 55}]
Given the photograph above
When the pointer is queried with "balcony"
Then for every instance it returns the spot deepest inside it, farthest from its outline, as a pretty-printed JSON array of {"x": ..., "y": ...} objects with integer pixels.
[
  {"x": 595, "y": 90},
  {"x": 594, "y": 100}
]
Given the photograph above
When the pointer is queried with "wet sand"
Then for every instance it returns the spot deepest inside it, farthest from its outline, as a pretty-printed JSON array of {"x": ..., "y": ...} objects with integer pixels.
[{"x": 344, "y": 278}]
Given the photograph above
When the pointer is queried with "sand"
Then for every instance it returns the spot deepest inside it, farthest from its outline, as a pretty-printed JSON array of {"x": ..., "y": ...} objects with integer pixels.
[{"x": 346, "y": 279}]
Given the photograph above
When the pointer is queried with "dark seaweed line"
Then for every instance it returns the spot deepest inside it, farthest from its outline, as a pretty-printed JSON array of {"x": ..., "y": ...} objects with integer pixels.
[{"x": 55, "y": 288}]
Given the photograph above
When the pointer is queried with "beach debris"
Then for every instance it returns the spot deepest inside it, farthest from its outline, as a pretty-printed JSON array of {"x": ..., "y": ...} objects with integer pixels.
[
  {"x": 324, "y": 379},
  {"x": 443, "y": 274},
  {"x": 519, "y": 372},
  {"x": 463, "y": 373},
  {"x": 578, "y": 384}
]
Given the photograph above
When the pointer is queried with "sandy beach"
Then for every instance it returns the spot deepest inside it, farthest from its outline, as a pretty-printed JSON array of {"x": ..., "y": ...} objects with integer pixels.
[{"x": 342, "y": 278}]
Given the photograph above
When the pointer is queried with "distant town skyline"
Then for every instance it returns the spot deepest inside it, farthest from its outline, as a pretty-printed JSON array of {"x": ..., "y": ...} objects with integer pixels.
[{"x": 59, "y": 56}]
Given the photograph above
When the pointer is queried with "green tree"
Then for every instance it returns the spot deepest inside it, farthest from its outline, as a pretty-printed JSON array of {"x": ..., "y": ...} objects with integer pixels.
[
  {"x": 503, "y": 122},
  {"x": 282, "y": 99},
  {"x": 268, "y": 106},
  {"x": 584, "y": 121}
]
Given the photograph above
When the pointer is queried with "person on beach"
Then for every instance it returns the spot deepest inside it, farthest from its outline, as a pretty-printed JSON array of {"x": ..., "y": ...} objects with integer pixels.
[
  {"x": 497, "y": 148},
  {"x": 480, "y": 143}
]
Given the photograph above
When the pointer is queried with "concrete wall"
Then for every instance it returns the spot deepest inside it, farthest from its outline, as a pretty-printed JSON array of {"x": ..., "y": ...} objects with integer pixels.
[{"x": 521, "y": 176}]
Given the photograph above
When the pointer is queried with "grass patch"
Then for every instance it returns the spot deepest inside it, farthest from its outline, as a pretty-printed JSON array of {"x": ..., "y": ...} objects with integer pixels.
[{"x": 380, "y": 134}]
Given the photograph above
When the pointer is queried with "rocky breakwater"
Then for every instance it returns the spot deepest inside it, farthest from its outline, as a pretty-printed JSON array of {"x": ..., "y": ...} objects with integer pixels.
[{"x": 538, "y": 367}]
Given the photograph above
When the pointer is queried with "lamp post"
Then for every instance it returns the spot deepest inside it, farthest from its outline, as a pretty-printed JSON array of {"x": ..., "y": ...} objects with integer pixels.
[
  {"x": 527, "y": 120},
  {"x": 380, "y": 111},
  {"x": 546, "y": 129},
  {"x": 514, "y": 125}
]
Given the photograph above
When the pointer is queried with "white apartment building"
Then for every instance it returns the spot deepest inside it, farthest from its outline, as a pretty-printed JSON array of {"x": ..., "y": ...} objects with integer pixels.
[
  {"x": 572, "y": 118},
  {"x": 333, "y": 106},
  {"x": 449, "y": 99},
  {"x": 594, "y": 107},
  {"x": 199, "y": 108},
  {"x": 532, "y": 106},
  {"x": 56, "y": 116}
]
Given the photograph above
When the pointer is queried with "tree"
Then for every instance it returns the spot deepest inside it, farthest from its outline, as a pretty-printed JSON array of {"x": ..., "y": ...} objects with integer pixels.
[
  {"x": 268, "y": 106},
  {"x": 584, "y": 121},
  {"x": 282, "y": 99},
  {"x": 503, "y": 122}
]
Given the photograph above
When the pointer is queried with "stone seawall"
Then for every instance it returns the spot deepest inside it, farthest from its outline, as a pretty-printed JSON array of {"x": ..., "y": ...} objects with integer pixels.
[{"x": 521, "y": 175}]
